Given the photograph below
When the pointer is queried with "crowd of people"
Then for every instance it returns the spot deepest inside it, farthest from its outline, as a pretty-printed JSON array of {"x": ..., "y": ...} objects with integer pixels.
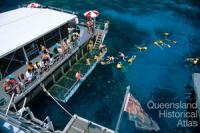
[{"x": 48, "y": 56}]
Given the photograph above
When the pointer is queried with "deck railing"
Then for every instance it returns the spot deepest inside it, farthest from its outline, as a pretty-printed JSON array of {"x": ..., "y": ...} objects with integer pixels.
[
  {"x": 57, "y": 59},
  {"x": 53, "y": 8}
]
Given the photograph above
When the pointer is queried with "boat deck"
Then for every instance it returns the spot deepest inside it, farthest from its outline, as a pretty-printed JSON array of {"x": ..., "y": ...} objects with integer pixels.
[
  {"x": 4, "y": 98},
  {"x": 81, "y": 125}
]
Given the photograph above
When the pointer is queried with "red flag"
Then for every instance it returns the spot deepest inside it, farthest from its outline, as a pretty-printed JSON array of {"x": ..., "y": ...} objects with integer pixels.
[
  {"x": 138, "y": 115},
  {"x": 133, "y": 107}
]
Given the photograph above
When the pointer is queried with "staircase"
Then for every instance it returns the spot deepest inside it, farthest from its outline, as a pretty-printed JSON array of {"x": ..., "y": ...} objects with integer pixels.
[{"x": 99, "y": 39}]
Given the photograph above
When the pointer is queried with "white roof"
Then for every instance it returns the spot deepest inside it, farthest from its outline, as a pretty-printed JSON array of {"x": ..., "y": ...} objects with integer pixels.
[{"x": 23, "y": 25}]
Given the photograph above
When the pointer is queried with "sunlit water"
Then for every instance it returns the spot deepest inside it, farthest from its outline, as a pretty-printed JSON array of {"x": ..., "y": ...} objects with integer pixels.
[{"x": 156, "y": 74}]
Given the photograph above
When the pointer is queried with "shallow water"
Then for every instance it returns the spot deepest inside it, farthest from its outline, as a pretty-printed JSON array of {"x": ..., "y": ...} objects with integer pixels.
[{"x": 156, "y": 74}]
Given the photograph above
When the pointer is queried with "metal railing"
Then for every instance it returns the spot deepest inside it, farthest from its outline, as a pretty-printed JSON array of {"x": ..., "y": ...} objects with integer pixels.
[{"x": 53, "y": 8}]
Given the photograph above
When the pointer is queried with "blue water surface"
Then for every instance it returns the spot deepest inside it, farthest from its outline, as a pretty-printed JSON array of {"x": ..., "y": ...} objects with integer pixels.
[{"x": 156, "y": 74}]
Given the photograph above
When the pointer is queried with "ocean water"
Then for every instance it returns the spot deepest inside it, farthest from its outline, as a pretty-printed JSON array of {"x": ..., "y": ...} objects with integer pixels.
[{"x": 157, "y": 74}]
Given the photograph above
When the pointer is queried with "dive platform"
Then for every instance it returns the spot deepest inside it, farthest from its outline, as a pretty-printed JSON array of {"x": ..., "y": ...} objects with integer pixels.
[{"x": 67, "y": 85}]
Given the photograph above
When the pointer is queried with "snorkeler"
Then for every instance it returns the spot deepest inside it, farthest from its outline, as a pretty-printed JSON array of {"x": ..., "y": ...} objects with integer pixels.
[
  {"x": 110, "y": 59},
  {"x": 119, "y": 65},
  {"x": 131, "y": 59},
  {"x": 157, "y": 44},
  {"x": 142, "y": 48},
  {"x": 166, "y": 34},
  {"x": 193, "y": 61},
  {"x": 122, "y": 55}
]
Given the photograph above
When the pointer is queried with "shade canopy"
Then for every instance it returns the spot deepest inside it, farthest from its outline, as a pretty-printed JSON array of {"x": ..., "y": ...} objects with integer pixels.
[
  {"x": 91, "y": 14},
  {"x": 33, "y": 5},
  {"x": 23, "y": 25}
]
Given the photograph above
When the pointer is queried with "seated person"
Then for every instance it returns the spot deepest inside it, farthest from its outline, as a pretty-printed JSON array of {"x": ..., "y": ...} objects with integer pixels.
[
  {"x": 37, "y": 65},
  {"x": 6, "y": 87},
  {"x": 14, "y": 85},
  {"x": 29, "y": 75},
  {"x": 65, "y": 46},
  {"x": 60, "y": 52},
  {"x": 22, "y": 79},
  {"x": 46, "y": 58},
  {"x": 69, "y": 43},
  {"x": 30, "y": 66}
]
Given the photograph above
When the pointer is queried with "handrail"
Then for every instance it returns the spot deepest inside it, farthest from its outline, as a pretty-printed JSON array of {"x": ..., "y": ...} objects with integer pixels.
[{"x": 54, "y": 8}]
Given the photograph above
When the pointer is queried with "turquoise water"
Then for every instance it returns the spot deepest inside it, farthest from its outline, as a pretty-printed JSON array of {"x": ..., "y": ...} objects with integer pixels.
[{"x": 156, "y": 74}]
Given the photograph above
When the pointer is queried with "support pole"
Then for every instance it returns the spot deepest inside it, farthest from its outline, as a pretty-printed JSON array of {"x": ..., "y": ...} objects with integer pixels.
[
  {"x": 94, "y": 25},
  {"x": 122, "y": 109},
  {"x": 70, "y": 63},
  {"x": 27, "y": 60},
  {"x": 9, "y": 105},
  {"x": 44, "y": 89},
  {"x": 60, "y": 34}
]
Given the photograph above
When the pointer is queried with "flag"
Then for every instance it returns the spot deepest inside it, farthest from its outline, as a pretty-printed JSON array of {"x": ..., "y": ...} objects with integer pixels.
[{"x": 138, "y": 115}]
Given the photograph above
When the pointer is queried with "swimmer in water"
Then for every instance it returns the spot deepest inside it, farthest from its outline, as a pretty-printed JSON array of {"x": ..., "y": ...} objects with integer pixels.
[
  {"x": 131, "y": 59},
  {"x": 119, "y": 65},
  {"x": 193, "y": 61},
  {"x": 122, "y": 55},
  {"x": 111, "y": 58},
  {"x": 166, "y": 34},
  {"x": 157, "y": 44},
  {"x": 142, "y": 48}
]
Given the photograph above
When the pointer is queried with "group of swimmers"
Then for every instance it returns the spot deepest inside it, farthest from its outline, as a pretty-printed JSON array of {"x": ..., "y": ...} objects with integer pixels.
[
  {"x": 164, "y": 42},
  {"x": 122, "y": 58},
  {"x": 193, "y": 61}
]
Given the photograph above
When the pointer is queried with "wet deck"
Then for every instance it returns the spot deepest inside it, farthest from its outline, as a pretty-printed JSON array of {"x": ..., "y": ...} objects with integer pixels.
[
  {"x": 81, "y": 125},
  {"x": 67, "y": 84}
]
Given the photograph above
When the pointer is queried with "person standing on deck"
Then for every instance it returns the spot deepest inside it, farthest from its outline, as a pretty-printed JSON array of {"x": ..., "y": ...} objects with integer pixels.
[{"x": 90, "y": 25}]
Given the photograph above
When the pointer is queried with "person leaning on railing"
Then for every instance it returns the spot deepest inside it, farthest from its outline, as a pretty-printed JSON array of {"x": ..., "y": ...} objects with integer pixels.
[
  {"x": 46, "y": 59},
  {"x": 11, "y": 85}
]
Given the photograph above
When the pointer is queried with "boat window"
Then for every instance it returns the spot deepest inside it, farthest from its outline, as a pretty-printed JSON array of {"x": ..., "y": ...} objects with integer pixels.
[
  {"x": 64, "y": 30},
  {"x": 39, "y": 42},
  {"x": 12, "y": 62},
  {"x": 52, "y": 38},
  {"x": 32, "y": 50}
]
